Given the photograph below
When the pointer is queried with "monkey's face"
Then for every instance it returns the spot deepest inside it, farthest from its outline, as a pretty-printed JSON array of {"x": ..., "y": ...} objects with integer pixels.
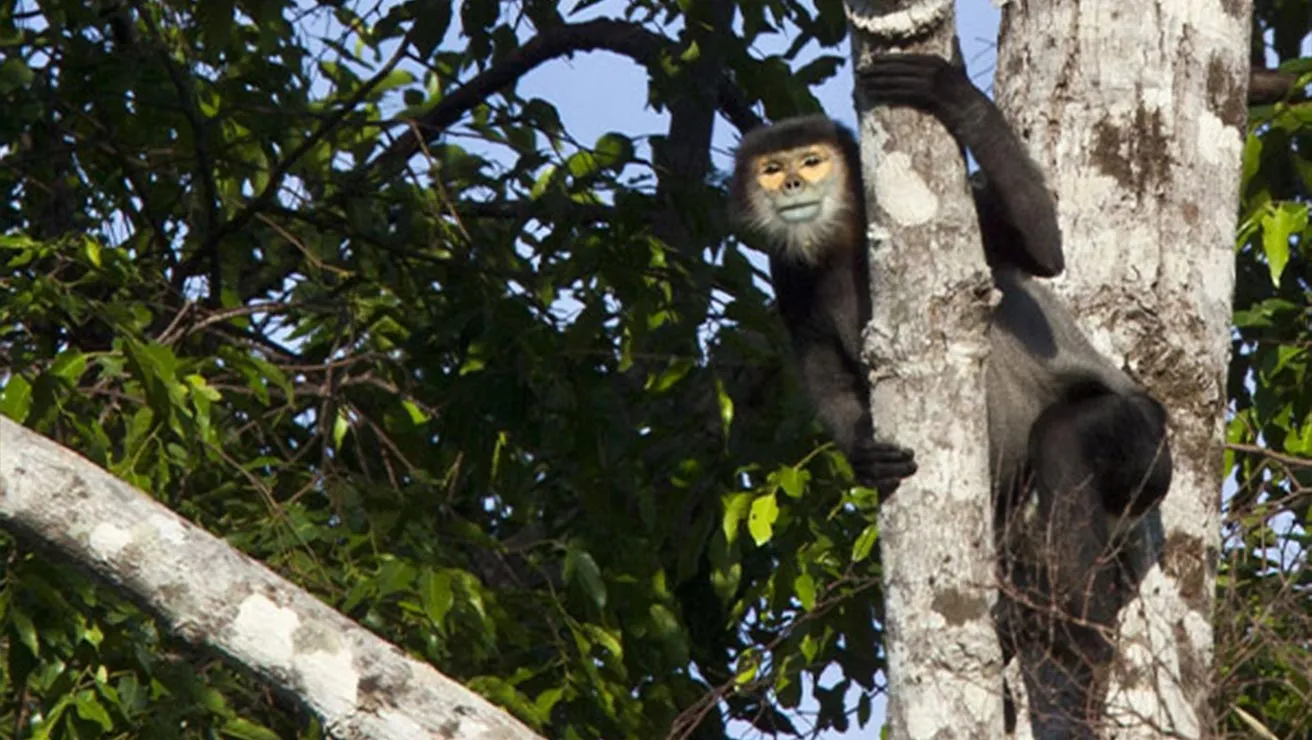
[
  {"x": 797, "y": 181},
  {"x": 797, "y": 198}
]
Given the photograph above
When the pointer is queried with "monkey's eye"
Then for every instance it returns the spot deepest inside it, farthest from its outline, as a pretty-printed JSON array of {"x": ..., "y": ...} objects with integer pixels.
[
  {"x": 770, "y": 168},
  {"x": 812, "y": 160}
]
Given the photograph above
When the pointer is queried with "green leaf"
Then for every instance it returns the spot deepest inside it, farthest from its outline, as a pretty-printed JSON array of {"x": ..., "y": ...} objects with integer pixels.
[
  {"x": 91, "y": 248},
  {"x": 765, "y": 511},
  {"x": 129, "y": 691},
  {"x": 581, "y": 164},
  {"x": 69, "y": 365},
  {"x": 17, "y": 399},
  {"x": 417, "y": 415},
  {"x": 726, "y": 579},
  {"x": 792, "y": 480},
  {"x": 48, "y": 724},
  {"x": 395, "y": 575},
  {"x": 26, "y": 630},
  {"x": 547, "y": 700},
  {"x": 244, "y": 729},
  {"x": 475, "y": 359},
  {"x": 340, "y": 426},
  {"x": 865, "y": 542},
  {"x": 213, "y": 700},
  {"x": 748, "y": 665},
  {"x": 613, "y": 150},
  {"x": 1299, "y": 442},
  {"x": 394, "y": 79},
  {"x": 581, "y": 569},
  {"x": 606, "y": 638},
  {"x": 726, "y": 408},
  {"x": 436, "y": 596},
  {"x": 1236, "y": 431},
  {"x": 199, "y": 387},
  {"x": 1252, "y": 156},
  {"x": 672, "y": 374},
  {"x": 92, "y": 634},
  {"x": 736, "y": 507},
  {"x": 14, "y": 73},
  {"x": 1279, "y": 225},
  {"x": 542, "y": 182},
  {"x": 89, "y": 708},
  {"x": 810, "y": 647},
  {"x": 804, "y": 587}
]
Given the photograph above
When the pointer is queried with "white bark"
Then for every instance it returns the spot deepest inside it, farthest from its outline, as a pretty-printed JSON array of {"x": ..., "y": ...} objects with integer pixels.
[
  {"x": 927, "y": 349},
  {"x": 361, "y": 686},
  {"x": 1136, "y": 112}
]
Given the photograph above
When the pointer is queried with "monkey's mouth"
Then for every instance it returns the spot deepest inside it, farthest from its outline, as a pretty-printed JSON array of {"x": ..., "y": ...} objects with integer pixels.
[{"x": 797, "y": 212}]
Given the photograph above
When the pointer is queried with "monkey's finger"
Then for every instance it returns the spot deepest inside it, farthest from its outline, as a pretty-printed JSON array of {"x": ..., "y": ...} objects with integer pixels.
[
  {"x": 869, "y": 471},
  {"x": 899, "y": 90},
  {"x": 907, "y": 68},
  {"x": 924, "y": 64},
  {"x": 885, "y": 486},
  {"x": 919, "y": 80},
  {"x": 895, "y": 77},
  {"x": 888, "y": 452},
  {"x": 897, "y": 470}
]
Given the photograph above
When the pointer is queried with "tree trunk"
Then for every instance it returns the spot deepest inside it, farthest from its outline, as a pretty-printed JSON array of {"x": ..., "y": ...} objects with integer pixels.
[
  {"x": 927, "y": 350},
  {"x": 1136, "y": 112}
]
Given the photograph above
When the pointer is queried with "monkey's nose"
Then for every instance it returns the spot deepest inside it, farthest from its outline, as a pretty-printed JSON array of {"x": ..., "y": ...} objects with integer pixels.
[{"x": 792, "y": 185}]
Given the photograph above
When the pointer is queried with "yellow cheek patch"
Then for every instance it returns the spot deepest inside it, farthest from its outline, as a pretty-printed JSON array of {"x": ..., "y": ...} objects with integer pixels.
[
  {"x": 816, "y": 163},
  {"x": 817, "y": 172},
  {"x": 770, "y": 181}
]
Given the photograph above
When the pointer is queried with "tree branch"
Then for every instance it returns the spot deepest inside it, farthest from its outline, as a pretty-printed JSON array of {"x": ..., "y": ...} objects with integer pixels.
[
  {"x": 1270, "y": 86},
  {"x": 361, "y": 686},
  {"x": 604, "y": 34},
  {"x": 683, "y": 156}
]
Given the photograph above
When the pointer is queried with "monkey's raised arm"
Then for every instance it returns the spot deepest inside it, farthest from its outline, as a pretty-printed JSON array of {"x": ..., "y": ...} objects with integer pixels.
[{"x": 1017, "y": 214}]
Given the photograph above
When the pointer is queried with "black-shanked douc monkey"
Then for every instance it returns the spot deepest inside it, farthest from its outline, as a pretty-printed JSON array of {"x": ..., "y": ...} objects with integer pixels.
[{"x": 1072, "y": 439}]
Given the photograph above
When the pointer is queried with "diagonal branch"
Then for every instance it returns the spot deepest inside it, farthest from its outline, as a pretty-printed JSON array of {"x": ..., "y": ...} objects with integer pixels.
[{"x": 357, "y": 684}]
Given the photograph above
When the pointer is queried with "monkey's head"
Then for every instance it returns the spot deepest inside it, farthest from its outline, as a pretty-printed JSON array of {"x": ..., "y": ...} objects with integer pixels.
[{"x": 797, "y": 185}]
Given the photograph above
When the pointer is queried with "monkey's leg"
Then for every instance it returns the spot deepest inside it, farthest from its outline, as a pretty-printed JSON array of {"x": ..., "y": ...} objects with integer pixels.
[
  {"x": 1076, "y": 590},
  {"x": 1083, "y": 453},
  {"x": 1124, "y": 439},
  {"x": 842, "y": 401}
]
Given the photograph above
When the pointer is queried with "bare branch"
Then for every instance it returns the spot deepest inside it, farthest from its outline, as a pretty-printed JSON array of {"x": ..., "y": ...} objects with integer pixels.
[{"x": 1270, "y": 86}]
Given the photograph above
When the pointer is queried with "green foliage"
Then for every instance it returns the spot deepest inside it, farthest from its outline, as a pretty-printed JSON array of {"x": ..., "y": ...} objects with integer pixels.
[
  {"x": 491, "y": 406},
  {"x": 1262, "y": 618}
]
